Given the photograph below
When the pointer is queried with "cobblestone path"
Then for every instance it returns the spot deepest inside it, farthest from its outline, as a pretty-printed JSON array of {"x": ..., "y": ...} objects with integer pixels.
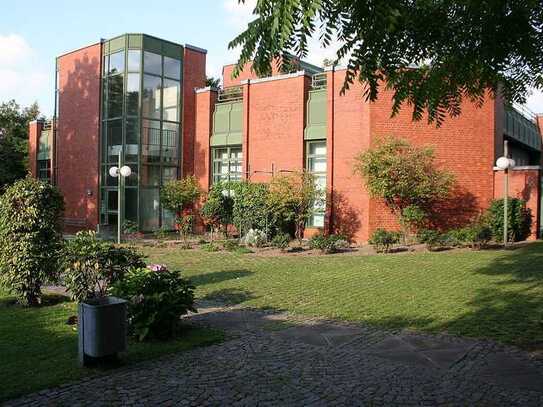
[{"x": 272, "y": 359}]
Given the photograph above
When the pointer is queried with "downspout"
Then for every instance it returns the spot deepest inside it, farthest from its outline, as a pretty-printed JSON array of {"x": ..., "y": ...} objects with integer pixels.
[
  {"x": 245, "y": 147},
  {"x": 331, "y": 150}
]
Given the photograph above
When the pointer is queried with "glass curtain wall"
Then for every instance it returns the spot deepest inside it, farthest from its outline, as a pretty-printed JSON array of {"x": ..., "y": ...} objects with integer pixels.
[{"x": 141, "y": 115}]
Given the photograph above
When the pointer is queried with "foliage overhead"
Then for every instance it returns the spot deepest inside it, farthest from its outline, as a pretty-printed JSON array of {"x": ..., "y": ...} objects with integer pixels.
[
  {"x": 30, "y": 237},
  {"x": 460, "y": 49}
]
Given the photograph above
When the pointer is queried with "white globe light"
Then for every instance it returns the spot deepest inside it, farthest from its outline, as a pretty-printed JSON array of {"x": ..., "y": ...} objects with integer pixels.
[
  {"x": 512, "y": 163},
  {"x": 126, "y": 171},
  {"x": 114, "y": 172},
  {"x": 503, "y": 163}
]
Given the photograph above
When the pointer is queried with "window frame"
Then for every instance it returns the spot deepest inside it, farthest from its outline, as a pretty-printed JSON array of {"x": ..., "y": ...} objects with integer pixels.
[{"x": 317, "y": 174}]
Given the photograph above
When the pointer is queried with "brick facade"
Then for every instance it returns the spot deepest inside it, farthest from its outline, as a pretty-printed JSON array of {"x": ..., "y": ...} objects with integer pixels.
[
  {"x": 274, "y": 120},
  {"x": 78, "y": 138}
]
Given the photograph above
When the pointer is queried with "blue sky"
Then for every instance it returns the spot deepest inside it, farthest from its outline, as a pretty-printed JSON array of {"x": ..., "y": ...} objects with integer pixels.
[{"x": 33, "y": 33}]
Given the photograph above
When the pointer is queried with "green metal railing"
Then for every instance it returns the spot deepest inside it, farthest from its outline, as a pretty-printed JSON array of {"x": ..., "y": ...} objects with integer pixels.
[
  {"x": 520, "y": 124},
  {"x": 230, "y": 94}
]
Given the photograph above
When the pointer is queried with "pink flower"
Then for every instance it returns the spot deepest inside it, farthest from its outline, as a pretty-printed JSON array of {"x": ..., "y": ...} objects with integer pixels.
[{"x": 157, "y": 267}]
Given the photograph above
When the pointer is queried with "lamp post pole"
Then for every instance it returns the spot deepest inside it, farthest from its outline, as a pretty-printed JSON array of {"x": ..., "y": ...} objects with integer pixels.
[
  {"x": 505, "y": 195},
  {"x": 119, "y": 199}
]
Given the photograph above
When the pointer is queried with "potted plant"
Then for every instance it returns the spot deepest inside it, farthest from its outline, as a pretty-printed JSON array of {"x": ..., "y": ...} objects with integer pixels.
[{"x": 91, "y": 267}]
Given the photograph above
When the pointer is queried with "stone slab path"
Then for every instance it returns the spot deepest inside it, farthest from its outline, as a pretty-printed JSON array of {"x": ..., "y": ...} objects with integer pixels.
[{"x": 274, "y": 359}]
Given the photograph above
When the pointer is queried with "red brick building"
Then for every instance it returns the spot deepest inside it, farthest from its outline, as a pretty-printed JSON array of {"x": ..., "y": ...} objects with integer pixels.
[{"x": 145, "y": 98}]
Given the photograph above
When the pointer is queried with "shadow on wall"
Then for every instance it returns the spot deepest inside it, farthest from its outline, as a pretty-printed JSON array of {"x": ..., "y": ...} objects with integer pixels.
[
  {"x": 78, "y": 141},
  {"x": 459, "y": 209},
  {"x": 346, "y": 219}
]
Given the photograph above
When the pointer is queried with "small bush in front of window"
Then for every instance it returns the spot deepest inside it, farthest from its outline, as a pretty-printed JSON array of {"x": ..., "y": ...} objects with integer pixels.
[
  {"x": 383, "y": 240},
  {"x": 157, "y": 299}
]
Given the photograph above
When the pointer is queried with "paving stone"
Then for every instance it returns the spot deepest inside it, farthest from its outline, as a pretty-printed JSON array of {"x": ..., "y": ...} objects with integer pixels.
[{"x": 317, "y": 363}]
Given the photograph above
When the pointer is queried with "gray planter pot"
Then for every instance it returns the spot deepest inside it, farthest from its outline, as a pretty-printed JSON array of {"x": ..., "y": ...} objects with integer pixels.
[{"x": 102, "y": 328}]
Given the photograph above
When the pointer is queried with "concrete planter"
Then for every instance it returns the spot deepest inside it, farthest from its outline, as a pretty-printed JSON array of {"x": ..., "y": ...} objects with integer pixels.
[{"x": 102, "y": 328}]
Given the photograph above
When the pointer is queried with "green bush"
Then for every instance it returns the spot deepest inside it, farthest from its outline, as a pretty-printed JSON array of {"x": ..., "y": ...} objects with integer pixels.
[
  {"x": 91, "y": 265},
  {"x": 476, "y": 236},
  {"x": 250, "y": 209},
  {"x": 281, "y": 241},
  {"x": 30, "y": 238},
  {"x": 157, "y": 298},
  {"x": 383, "y": 240},
  {"x": 210, "y": 247},
  {"x": 328, "y": 244},
  {"x": 230, "y": 245},
  {"x": 434, "y": 239},
  {"x": 216, "y": 211},
  {"x": 519, "y": 219}
]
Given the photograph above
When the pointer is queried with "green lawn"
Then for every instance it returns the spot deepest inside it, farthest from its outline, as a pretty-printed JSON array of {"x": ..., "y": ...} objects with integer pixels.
[
  {"x": 39, "y": 350},
  {"x": 489, "y": 294}
]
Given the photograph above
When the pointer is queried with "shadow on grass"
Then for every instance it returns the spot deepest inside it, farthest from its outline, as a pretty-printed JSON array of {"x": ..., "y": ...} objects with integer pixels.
[
  {"x": 219, "y": 277},
  {"x": 229, "y": 296}
]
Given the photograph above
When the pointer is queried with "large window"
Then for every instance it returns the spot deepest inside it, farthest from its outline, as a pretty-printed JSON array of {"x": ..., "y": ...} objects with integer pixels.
[
  {"x": 227, "y": 164},
  {"x": 141, "y": 114},
  {"x": 316, "y": 165},
  {"x": 44, "y": 156}
]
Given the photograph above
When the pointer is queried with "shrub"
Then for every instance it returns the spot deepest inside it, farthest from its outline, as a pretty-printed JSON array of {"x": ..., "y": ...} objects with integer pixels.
[
  {"x": 250, "y": 208},
  {"x": 476, "y": 236},
  {"x": 157, "y": 298},
  {"x": 216, "y": 211},
  {"x": 178, "y": 196},
  {"x": 30, "y": 238},
  {"x": 328, "y": 244},
  {"x": 281, "y": 241},
  {"x": 434, "y": 239},
  {"x": 519, "y": 219},
  {"x": 91, "y": 265},
  {"x": 230, "y": 245},
  {"x": 383, "y": 240},
  {"x": 255, "y": 238},
  {"x": 210, "y": 247}
]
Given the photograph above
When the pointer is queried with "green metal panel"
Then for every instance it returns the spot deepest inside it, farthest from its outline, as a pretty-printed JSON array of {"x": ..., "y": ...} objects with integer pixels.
[
  {"x": 316, "y": 115},
  {"x": 172, "y": 50},
  {"x": 152, "y": 44},
  {"x": 227, "y": 124},
  {"x": 117, "y": 44},
  {"x": 522, "y": 129},
  {"x": 135, "y": 41}
]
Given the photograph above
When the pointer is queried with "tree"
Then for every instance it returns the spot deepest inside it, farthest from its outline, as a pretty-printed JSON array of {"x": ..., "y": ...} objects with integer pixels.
[
  {"x": 460, "y": 49},
  {"x": 14, "y": 140},
  {"x": 30, "y": 237},
  {"x": 213, "y": 82},
  {"x": 179, "y": 196},
  {"x": 405, "y": 178},
  {"x": 292, "y": 199}
]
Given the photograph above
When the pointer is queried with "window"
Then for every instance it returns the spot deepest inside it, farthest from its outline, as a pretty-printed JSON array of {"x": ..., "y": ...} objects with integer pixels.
[
  {"x": 152, "y": 63},
  {"x": 170, "y": 136},
  {"x": 116, "y": 63},
  {"x": 151, "y": 104},
  {"x": 115, "y": 96},
  {"x": 132, "y": 94},
  {"x": 114, "y": 143},
  {"x": 134, "y": 59},
  {"x": 172, "y": 68},
  {"x": 227, "y": 164},
  {"x": 170, "y": 102},
  {"x": 316, "y": 165},
  {"x": 132, "y": 141},
  {"x": 151, "y": 141},
  {"x": 44, "y": 170}
]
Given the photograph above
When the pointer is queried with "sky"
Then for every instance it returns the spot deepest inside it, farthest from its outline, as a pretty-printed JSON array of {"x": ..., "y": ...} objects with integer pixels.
[{"x": 34, "y": 32}]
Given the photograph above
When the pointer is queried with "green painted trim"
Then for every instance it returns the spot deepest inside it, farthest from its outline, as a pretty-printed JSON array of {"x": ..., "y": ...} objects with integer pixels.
[
  {"x": 315, "y": 133},
  {"x": 117, "y": 44},
  {"x": 135, "y": 41}
]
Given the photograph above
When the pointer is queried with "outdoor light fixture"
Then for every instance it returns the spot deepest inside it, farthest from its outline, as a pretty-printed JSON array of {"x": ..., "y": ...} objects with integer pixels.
[
  {"x": 505, "y": 164},
  {"x": 120, "y": 172}
]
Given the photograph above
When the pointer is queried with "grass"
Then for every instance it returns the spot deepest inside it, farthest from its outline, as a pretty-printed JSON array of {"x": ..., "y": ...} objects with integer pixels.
[
  {"x": 487, "y": 294},
  {"x": 39, "y": 350}
]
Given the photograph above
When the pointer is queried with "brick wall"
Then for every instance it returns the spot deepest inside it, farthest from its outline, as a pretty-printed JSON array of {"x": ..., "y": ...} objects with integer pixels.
[
  {"x": 523, "y": 184},
  {"x": 34, "y": 132},
  {"x": 194, "y": 76},
  {"x": 246, "y": 73},
  {"x": 78, "y": 135}
]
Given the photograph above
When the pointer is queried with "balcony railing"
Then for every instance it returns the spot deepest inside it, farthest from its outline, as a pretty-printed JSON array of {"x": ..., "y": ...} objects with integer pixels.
[
  {"x": 230, "y": 94},
  {"x": 318, "y": 81}
]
